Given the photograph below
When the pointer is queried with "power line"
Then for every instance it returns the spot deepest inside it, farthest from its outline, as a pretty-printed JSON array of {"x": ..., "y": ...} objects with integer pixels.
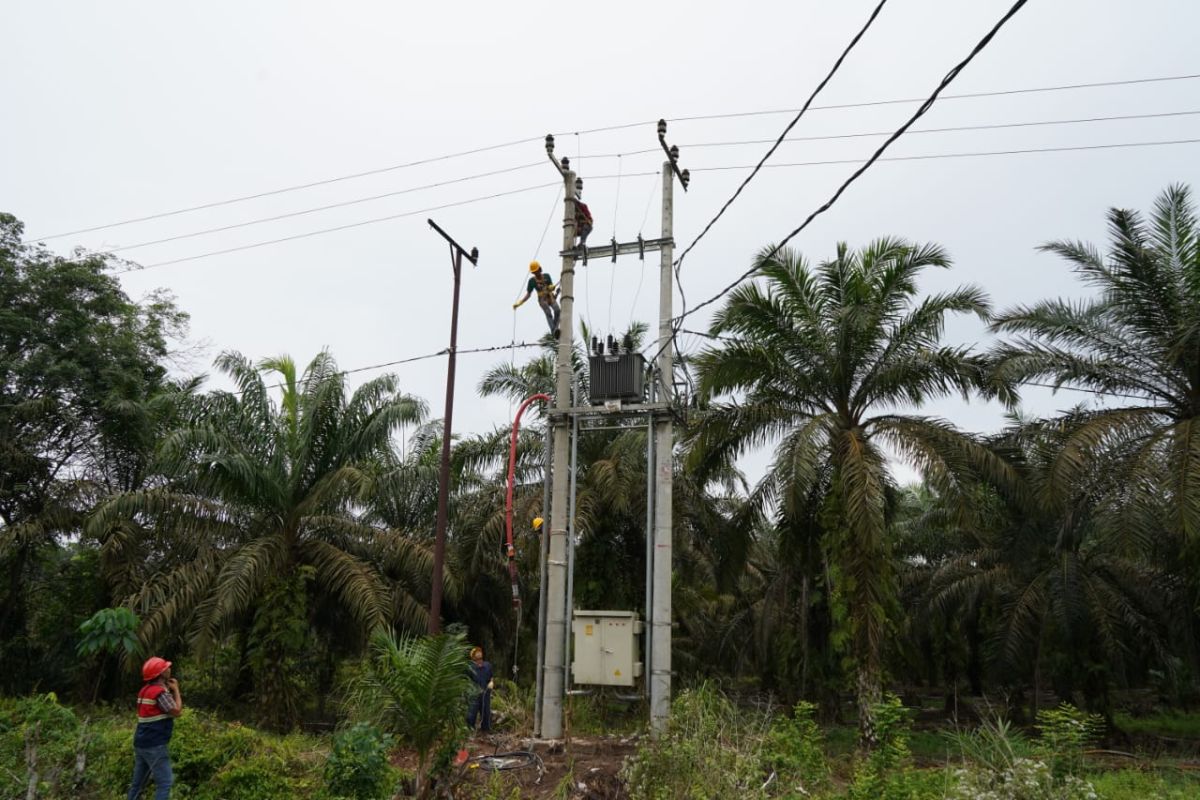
[
  {"x": 321, "y": 231},
  {"x": 953, "y": 129},
  {"x": 920, "y": 112},
  {"x": 423, "y": 357},
  {"x": 520, "y": 167},
  {"x": 977, "y": 154},
  {"x": 827, "y": 162},
  {"x": 528, "y": 140},
  {"x": 285, "y": 189},
  {"x": 964, "y": 96},
  {"x": 343, "y": 204},
  {"x": 779, "y": 141},
  {"x": 903, "y": 101},
  {"x": 868, "y": 134}
]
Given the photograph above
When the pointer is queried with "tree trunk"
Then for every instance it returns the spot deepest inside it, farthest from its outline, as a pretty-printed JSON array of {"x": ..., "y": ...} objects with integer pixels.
[
  {"x": 868, "y": 695},
  {"x": 974, "y": 655},
  {"x": 804, "y": 612}
]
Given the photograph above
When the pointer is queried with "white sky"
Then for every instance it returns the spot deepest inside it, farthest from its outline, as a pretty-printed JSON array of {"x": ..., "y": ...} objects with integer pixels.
[{"x": 120, "y": 109}]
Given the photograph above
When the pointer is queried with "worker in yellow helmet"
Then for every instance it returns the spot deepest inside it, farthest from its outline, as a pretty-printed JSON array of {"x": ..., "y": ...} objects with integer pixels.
[
  {"x": 547, "y": 295},
  {"x": 537, "y": 523}
]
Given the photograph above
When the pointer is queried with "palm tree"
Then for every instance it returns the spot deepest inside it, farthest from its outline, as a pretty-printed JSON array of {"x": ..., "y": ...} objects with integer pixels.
[
  {"x": 263, "y": 500},
  {"x": 1138, "y": 338},
  {"x": 820, "y": 363},
  {"x": 414, "y": 687},
  {"x": 1064, "y": 570}
]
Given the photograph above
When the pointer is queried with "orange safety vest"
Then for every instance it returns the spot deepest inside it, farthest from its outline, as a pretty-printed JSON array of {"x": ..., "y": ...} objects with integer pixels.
[{"x": 148, "y": 709}]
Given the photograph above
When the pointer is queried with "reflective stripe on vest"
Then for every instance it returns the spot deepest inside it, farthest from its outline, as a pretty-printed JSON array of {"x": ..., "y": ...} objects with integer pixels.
[{"x": 147, "y": 704}]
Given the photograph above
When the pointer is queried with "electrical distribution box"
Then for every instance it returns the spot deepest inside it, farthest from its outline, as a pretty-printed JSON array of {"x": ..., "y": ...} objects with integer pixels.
[{"x": 606, "y": 648}]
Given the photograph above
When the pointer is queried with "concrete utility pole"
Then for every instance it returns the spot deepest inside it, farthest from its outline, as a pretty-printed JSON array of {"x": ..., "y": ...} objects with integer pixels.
[
  {"x": 439, "y": 536},
  {"x": 664, "y": 450},
  {"x": 553, "y": 671}
]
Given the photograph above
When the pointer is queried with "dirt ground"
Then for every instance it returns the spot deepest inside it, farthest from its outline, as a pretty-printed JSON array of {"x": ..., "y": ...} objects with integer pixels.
[{"x": 581, "y": 768}]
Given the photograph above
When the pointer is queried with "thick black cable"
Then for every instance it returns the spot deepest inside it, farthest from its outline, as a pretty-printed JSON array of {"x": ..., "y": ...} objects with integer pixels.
[
  {"x": 920, "y": 112},
  {"x": 779, "y": 141}
]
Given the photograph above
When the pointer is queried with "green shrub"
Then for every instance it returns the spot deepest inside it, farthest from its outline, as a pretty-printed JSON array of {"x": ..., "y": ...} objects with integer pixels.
[
  {"x": 213, "y": 759},
  {"x": 884, "y": 773},
  {"x": 1065, "y": 732},
  {"x": 1027, "y": 779},
  {"x": 995, "y": 745},
  {"x": 110, "y": 631},
  {"x": 793, "y": 749},
  {"x": 1128, "y": 784},
  {"x": 709, "y": 750},
  {"x": 415, "y": 688},
  {"x": 1171, "y": 723},
  {"x": 358, "y": 765},
  {"x": 512, "y": 707},
  {"x": 52, "y": 733},
  {"x": 999, "y": 763}
]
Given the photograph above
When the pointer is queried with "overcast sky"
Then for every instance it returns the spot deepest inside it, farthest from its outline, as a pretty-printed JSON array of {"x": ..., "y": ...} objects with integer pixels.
[{"x": 119, "y": 110}]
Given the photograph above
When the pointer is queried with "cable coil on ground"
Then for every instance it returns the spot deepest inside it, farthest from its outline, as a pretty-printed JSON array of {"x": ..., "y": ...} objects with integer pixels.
[{"x": 502, "y": 762}]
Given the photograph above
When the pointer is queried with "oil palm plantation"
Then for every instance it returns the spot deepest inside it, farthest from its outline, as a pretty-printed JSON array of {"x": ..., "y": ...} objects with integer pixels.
[
  {"x": 821, "y": 361},
  {"x": 257, "y": 524},
  {"x": 1063, "y": 571},
  {"x": 1137, "y": 337}
]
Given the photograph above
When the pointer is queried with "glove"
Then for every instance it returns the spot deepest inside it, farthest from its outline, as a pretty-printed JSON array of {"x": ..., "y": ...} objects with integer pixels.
[
  {"x": 516, "y": 305},
  {"x": 491, "y": 684}
]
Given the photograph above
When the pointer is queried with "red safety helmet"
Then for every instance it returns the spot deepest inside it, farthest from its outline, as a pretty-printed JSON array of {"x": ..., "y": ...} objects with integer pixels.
[{"x": 154, "y": 667}]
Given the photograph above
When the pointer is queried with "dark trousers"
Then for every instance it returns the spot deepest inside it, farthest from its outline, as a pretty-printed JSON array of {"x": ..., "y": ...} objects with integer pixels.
[
  {"x": 480, "y": 707},
  {"x": 155, "y": 764}
]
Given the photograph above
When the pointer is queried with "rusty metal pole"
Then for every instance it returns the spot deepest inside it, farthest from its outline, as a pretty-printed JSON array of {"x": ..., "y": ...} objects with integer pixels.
[{"x": 439, "y": 536}]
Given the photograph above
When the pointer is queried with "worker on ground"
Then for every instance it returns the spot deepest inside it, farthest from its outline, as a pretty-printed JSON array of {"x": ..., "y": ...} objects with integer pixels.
[
  {"x": 158, "y": 704},
  {"x": 480, "y": 705},
  {"x": 547, "y": 295}
]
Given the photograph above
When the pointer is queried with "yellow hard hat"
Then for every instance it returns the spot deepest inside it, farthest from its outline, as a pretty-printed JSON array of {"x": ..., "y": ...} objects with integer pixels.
[
  {"x": 537, "y": 523},
  {"x": 534, "y": 266}
]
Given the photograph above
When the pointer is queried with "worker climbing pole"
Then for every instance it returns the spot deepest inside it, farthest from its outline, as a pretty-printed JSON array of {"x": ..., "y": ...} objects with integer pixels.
[{"x": 542, "y": 284}]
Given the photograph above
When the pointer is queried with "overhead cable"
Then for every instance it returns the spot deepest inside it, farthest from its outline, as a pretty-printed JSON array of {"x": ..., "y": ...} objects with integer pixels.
[
  {"x": 528, "y": 140},
  {"x": 920, "y": 112},
  {"x": 779, "y": 141}
]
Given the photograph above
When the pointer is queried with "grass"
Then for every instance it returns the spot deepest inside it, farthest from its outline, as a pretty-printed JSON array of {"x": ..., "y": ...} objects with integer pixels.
[
  {"x": 1174, "y": 724},
  {"x": 1131, "y": 784}
]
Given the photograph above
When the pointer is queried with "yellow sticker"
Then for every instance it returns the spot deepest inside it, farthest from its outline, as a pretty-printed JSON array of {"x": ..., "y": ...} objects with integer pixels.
[
  {"x": 616, "y": 673},
  {"x": 587, "y": 630}
]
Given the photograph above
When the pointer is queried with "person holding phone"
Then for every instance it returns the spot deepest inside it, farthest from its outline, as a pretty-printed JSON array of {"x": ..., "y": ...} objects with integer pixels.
[{"x": 158, "y": 705}]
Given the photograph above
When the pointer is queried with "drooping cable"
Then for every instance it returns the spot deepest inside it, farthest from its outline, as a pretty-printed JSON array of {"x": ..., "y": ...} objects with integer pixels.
[
  {"x": 920, "y": 112},
  {"x": 780, "y": 139}
]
